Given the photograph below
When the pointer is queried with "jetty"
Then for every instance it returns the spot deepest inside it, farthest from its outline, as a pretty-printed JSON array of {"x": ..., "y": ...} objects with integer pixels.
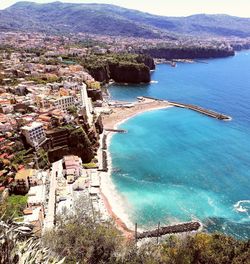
[
  {"x": 196, "y": 108},
  {"x": 172, "y": 229},
  {"x": 116, "y": 130},
  {"x": 202, "y": 110}
]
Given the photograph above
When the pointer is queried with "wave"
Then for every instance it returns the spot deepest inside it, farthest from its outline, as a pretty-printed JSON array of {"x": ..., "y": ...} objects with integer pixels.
[{"x": 241, "y": 208}]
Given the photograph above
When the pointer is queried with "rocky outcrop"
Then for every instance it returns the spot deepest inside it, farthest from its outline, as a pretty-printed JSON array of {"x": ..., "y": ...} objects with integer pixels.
[
  {"x": 130, "y": 73},
  {"x": 95, "y": 94},
  {"x": 136, "y": 70},
  {"x": 147, "y": 60},
  {"x": 100, "y": 74},
  {"x": 240, "y": 46},
  {"x": 99, "y": 125},
  {"x": 189, "y": 53}
]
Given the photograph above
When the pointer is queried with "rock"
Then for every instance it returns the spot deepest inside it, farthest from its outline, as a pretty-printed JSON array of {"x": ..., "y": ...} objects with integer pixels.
[
  {"x": 130, "y": 73},
  {"x": 137, "y": 71}
]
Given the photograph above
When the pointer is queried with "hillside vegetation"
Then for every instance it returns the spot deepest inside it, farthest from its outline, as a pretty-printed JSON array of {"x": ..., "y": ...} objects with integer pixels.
[
  {"x": 80, "y": 239},
  {"x": 113, "y": 20}
]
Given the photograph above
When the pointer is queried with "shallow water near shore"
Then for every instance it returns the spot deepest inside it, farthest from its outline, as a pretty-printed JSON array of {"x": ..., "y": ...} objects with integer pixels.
[{"x": 177, "y": 165}]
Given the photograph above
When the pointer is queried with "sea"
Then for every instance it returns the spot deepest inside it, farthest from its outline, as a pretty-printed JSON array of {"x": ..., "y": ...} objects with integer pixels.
[{"x": 176, "y": 165}]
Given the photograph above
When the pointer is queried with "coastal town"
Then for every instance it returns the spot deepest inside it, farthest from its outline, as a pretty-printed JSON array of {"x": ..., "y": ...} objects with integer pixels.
[
  {"x": 123, "y": 133},
  {"x": 53, "y": 138},
  {"x": 55, "y": 121}
]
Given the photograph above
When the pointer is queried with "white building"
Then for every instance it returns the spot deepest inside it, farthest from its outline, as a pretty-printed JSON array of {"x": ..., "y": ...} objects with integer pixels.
[
  {"x": 86, "y": 103},
  {"x": 64, "y": 102},
  {"x": 34, "y": 133}
]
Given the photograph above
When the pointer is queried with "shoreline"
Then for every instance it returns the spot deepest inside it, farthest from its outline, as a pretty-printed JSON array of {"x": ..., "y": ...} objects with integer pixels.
[
  {"x": 113, "y": 200},
  {"x": 122, "y": 114}
]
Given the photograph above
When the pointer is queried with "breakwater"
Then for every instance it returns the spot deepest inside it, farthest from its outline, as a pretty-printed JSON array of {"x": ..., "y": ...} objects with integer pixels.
[
  {"x": 196, "y": 108},
  {"x": 173, "y": 229},
  {"x": 201, "y": 110}
]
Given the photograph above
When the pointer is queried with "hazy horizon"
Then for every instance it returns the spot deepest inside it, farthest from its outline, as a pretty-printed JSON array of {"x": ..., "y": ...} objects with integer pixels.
[{"x": 166, "y": 7}]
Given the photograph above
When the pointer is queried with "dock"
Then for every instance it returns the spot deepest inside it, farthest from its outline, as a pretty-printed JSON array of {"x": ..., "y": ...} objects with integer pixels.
[
  {"x": 172, "y": 229},
  {"x": 201, "y": 110}
]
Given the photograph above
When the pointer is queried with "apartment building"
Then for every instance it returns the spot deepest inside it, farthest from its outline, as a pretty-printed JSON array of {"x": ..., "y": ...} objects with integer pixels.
[
  {"x": 64, "y": 102},
  {"x": 34, "y": 133}
]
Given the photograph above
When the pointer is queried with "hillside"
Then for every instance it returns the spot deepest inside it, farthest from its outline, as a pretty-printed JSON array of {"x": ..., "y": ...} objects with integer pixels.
[{"x": 106, "y": 19}]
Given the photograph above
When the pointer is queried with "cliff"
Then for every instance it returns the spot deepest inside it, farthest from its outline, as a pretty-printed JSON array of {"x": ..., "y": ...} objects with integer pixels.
[
  {"x": 100, "y": 73},
  {"x": 122, "y": 68},
  {"x": 95, "y": 94},
  {"x": 122, "y": 73},
  {"x": 147, "y": 60},
  {"x": 130, "y": 73},
  {"x": 189, "y": 53}
]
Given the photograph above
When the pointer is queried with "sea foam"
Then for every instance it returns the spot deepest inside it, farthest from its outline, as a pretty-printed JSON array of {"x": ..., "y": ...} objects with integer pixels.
[{"x": 241, "y": 208}]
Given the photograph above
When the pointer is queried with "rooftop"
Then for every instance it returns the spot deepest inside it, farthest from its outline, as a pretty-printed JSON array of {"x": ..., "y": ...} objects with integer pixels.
[
  {"x": 24, "y": 174},
  {"x": 32, "y": 126}
]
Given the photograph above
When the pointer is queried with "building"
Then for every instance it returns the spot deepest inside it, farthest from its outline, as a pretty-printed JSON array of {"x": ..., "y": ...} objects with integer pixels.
[
  {"x": 86, "y": 103},
  {"x": 72, "y": 168},
  {"x": 24, "y": 179},
  {"x": 34, "y": 133},
  {"x": 64, "y": 102}
]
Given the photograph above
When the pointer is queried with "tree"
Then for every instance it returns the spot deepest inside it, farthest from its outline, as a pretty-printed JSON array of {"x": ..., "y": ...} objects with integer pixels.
[
  {"x": 80, "y": 238},
  {"x": 72, "y": 110}
]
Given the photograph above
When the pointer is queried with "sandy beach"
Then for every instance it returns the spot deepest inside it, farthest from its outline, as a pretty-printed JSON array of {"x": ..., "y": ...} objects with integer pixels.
[
  {"x": 120, "y": 114},
  {"x": 111, "y": 198}
]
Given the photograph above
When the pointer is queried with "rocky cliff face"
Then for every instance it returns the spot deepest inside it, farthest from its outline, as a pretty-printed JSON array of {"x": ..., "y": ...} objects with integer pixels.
[
  {"x": 135, "y": 71},
  {"x": 130, "y": 73},
  {"x": 188, "y": 53},
  {"x": 240, "y": 46},
  {"x": 95, "y": 94},
  {"x": 101, "y": 74},
  {"x": 147, "y": 60}
]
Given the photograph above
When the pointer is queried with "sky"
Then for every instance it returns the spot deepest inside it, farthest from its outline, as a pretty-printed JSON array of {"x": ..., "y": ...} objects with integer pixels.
[{"x": 168, "y": 7}]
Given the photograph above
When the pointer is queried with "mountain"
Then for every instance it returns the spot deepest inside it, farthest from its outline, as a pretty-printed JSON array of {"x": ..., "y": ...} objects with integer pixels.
[{"x": 107, "y": 19}]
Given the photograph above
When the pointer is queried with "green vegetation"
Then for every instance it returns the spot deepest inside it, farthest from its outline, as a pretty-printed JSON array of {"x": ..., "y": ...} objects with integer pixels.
[
  {"x": 13, "y": 206},
  {"x": 49, "y": 61},
  {"x": 43, "y": 159},
  {"x": 96, "y": 61},
  {"x": 89, "y": 43},
  {"x": 80, "y": 239},
  {"x": 72, "y": 110},
  {"x": 23, "y": 157},
  {"x": 116, "y": 21},
  {"x": 19, "y": 247},
  {"x": 44, "y": 79},
  {"x": 90, "y": 165},
  {"x": 121, "y": 67},
  {"x": 68, "y": 127}
]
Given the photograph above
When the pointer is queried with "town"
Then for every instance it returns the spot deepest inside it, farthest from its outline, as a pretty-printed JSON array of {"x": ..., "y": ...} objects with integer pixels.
[
  {"x": 52, "y": 138},
  {"x": 50, "y": 127},
  {"x": 113, "y": 141}
]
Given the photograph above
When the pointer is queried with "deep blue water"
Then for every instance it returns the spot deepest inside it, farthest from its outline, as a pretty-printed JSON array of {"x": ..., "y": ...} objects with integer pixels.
[{"x": 175, "y": 165}]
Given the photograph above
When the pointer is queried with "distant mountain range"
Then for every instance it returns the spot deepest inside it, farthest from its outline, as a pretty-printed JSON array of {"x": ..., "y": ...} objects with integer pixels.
[{"x": 112, "y": 20}]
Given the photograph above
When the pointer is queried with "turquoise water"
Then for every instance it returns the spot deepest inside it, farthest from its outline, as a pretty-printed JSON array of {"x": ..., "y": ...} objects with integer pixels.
[{"x": 176, "y": 165}]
